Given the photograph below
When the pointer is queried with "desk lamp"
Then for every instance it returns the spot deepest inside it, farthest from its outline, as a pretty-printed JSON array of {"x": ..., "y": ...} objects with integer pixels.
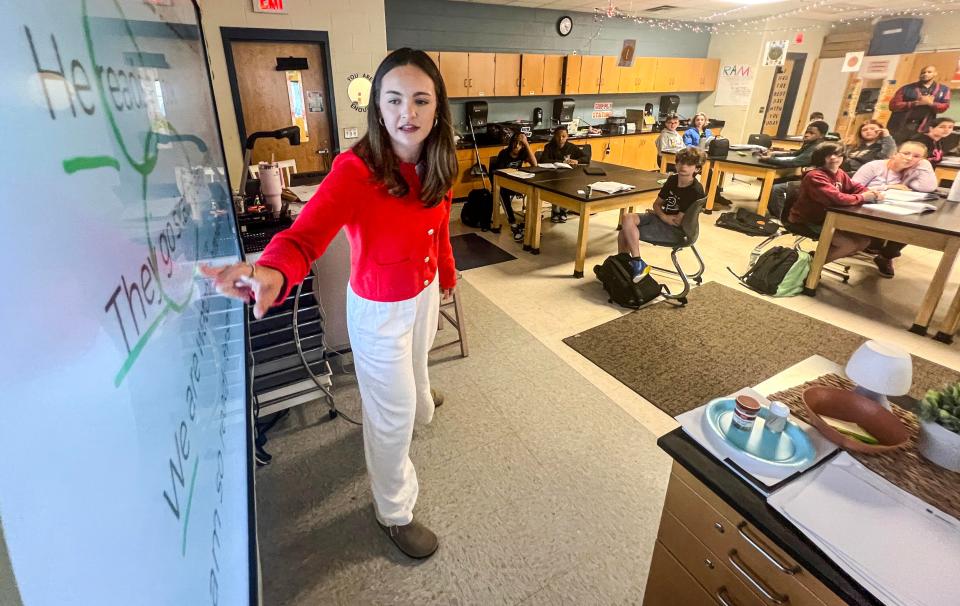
[
  {"x": 880, "y": 370},
  {"x": 291, "y": 133}
]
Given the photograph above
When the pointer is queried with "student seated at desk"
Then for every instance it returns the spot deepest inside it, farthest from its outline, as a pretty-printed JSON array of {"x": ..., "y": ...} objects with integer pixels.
[
  {"x": 662, "y": 222},
  {"x": 907, "y": 169},
  {"x": 873, "y": 143},
  {"x": 812, "y": 136},
  {"x": 697, "y": 131},
  {"x": 513, "y": 156},
  {"x": 669, "y": 139},
  {"x": 940, "y": 129},
  {"x": 826, "y": 186},
  {"x": 559, "y": 149}
]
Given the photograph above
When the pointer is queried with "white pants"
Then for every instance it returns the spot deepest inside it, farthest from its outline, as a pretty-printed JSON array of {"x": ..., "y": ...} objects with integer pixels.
[{"x": 390, "y": 343}]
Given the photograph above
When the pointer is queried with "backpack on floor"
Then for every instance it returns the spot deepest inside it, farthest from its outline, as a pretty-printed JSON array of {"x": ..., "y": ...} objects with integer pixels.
[
  {"x": 477, "y": 211},
  {"x": 747, "y": 222},
  {"x": 617, "y": 280},
  {"x": 779, "y": 272}
]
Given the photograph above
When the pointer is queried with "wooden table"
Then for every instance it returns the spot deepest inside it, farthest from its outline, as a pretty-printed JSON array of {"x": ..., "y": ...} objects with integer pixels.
[
  {"x": 939, "y": 230},
  {"x": 946, "y": 172},
  {"x": 788, "y": 143},
  {"x": 747, "y": 165},
  {"x": 562, "y": 189}
]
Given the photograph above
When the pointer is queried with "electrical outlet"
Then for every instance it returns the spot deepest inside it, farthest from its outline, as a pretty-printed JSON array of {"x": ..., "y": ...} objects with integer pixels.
[{"x": 350, "y": 133}]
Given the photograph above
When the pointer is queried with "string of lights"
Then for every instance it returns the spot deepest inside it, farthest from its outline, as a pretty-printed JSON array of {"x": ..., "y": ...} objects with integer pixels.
[{"x": 720, "y": 22}]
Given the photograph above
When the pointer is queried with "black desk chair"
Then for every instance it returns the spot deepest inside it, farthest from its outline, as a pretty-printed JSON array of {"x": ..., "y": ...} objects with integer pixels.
[
  {"x": 760, "y": 139},
  {"x": 800, "y": 232},
  {"x": 690, "y": 228}
]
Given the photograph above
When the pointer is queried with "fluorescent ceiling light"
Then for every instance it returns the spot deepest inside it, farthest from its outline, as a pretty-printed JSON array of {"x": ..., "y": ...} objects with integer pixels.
[{"x": 749, "y": 2}]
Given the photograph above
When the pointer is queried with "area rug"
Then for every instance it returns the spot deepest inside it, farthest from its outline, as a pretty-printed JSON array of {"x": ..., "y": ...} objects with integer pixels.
[
  {"x": 681, "y": 357},
  {"x": 472, "y": 250}
]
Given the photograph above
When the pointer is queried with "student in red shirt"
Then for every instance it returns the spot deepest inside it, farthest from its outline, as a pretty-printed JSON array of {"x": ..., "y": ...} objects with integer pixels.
[
  {"x": 826, "y": 186},
  {"x": 391, "y": 195}
]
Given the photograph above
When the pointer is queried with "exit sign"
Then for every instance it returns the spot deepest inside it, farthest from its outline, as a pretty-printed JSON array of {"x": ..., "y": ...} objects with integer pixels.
[{"x": 269, "y": 6}]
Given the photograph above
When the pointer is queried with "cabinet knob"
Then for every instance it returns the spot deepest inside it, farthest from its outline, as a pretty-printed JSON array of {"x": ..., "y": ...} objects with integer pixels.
[
  {"x": 719, "y": 527},
  {"x": 709, "y": 563}
]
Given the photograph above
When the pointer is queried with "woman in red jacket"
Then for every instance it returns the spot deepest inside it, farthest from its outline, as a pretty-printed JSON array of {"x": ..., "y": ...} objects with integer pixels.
[
  {"x": 825, "y": 186},
  {"x": 391, "y": 194}
]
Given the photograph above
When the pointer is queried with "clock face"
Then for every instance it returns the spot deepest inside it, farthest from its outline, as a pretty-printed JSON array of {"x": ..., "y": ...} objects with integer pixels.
[{"x": 564, "y": 26}]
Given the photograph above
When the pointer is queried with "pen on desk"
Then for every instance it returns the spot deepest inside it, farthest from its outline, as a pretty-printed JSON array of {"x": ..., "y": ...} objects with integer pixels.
[{"x": 940, "y": 517}]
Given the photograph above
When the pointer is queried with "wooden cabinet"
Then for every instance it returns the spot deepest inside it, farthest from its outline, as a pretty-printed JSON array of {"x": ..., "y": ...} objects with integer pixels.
[
  {"x": 531, "y": 75},
  {"x": 944, "y": 61},
  {"x": 455, "y": 69},
  {"x": 640, "y": 77},
  {"x": 507, "y": 77},
  {"x": 610, "y": 74},
  {"x": 614, "y": 150},
  {"x": 710, "y": 69},
  {"x": 640, "y": 151},
  {"x": 435, "y": 55},
  {"x": 724, "y": 553},
  {"x": 590, "y": 66},
  {"x": 598, "y": 148},
  {"x": 465, "y": 181},
  {"x": 669, "y": 582},
  {"x": 552, "y": 75},
  {"x": 468, "y": 74},
  {"x": 571, "y": 75},
  {"x": 667, "y": 74}
]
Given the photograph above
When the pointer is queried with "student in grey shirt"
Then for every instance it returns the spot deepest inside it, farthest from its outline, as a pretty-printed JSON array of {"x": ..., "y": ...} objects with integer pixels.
[{"x": 670, "y": 139}]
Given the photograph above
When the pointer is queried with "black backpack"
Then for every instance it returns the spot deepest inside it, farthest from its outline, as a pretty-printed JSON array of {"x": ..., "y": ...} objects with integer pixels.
[
  {"x": 747, "y": 222},
  {"x": 771, "y": 267},
  {"x": 718, "y": 147},
  {"x": 617, "y": 280},
  {"x": 477, "y": 211}
]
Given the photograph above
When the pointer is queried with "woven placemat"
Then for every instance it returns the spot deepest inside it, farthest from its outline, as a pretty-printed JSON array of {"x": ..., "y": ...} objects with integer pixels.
[{"x": 905, "y": 467}]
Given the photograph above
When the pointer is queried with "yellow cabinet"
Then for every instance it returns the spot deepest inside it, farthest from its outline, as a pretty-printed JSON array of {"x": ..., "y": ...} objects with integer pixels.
[
  {"x": 645, "y": 74},
  {"x": 467, "y": 74},
  {"x": 531, "y": 75},
  {"x": 598, "y": 149},
  {"x": 455, "y": 69},
  {"x": 614, "y": 151},
  {"x": 944, "y": 61},
  {"x": 571, "y": 75},
  {"x": 552, "y": 75},
  {"x": 668, "y": 74},
  {"x": 507, "y": 79},
  {"x": 708, "y": 75},
  {"x": 435, "y": 55},
  {"x": 640, "y": 151},
  {"x": 590, "y": 66},
  {"x": 610, "y": 74}
]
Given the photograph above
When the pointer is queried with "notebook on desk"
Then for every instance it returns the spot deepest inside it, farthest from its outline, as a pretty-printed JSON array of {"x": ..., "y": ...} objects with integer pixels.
[{"x": 594, "y": 170}]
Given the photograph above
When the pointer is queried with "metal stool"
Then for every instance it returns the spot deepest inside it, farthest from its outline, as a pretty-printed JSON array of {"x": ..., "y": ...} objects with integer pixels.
[{"x": 456, "y": 319}]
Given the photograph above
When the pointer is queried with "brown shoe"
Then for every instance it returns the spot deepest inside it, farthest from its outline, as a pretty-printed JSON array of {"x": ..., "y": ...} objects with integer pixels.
[
  {"x": 437, "y": 397},
  {"x": 413, "y": 539},
  {"x": 884, "y": 266}
]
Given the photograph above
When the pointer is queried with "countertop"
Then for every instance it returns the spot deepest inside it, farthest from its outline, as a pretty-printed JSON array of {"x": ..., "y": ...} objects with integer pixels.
[{"x": 545, "y": 138}]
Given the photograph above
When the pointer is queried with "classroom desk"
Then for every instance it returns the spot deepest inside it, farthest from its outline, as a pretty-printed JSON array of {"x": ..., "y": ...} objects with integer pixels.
[
  {"x": 747, "y": 165},
  {"x": 561, "y": 188},
  {"x": 946, "y": 172},
  {"x": 668, "y": 157},
  {"x": 788, "y": 143},
  {"x": 939, "y": 230}
]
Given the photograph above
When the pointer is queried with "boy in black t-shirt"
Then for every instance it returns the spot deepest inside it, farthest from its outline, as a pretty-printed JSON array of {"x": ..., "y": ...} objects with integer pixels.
[{"x": 662, "y": 223}]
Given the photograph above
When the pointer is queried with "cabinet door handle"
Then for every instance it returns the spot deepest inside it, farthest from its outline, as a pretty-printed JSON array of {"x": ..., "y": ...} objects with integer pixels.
[
  {"x": 724, "y": 598},
  {"x": 742, "y": 529},
  {"x": 465, "y": 85},
  {"x": 740, "y": 567}
]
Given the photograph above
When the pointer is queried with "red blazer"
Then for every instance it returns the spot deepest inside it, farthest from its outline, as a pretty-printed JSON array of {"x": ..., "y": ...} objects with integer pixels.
[
  {"x": 397, "y": 246},
  {"x": 820, "y": 190}
]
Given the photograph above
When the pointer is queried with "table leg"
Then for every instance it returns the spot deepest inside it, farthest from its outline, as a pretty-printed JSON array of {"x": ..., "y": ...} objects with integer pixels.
[
  {"x": 950, "y": 323},
  {"x": 495, "y": 219},
  {"x": 935, "y": 290},
  {"x": 534, "y": 217},
  {"x": 768, "y": 180},
  {"x": 714, "y": 184},
  {"x": 663, "y": 163},
  {"x": 820, "y": 257},
  {"x": 582, "y": 235},
  {"x": 530, "y": 217},
  {"x": 705, "y": 175}
]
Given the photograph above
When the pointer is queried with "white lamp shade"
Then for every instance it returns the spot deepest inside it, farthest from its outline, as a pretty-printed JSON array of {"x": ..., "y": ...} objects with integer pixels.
[{"x": 882, "y": 368}]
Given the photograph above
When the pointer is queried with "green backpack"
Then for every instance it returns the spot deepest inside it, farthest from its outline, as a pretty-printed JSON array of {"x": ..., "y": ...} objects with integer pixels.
[{"x": 779, "y": 272}]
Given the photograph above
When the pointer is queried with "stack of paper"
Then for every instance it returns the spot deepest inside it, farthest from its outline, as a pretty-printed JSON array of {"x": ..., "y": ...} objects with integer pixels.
[
  {"x": 519, "y": 174},
  {"x": 902, "y": 208},
  {"x": 610, "y": 187},
  {"x": 950, "y": 161},
  {"x": 906, "y": 195},
  {"x": 748, "y": 147},
  {"x": 901, "y": 549},
  {"x": 553, "y": 165}
]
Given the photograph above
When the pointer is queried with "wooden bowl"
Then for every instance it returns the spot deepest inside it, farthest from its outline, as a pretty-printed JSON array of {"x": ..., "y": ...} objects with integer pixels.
[{"x": 850, "y": 406}]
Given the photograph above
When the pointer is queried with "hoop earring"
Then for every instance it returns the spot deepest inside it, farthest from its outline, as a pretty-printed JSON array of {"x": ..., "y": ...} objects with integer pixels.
[
  {"x": 435, "y": 122},
  {"x": 381, "y": 121}
]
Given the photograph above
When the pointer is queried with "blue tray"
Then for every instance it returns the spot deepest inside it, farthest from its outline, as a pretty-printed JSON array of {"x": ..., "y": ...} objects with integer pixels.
[{"x": 791, "y": 448}]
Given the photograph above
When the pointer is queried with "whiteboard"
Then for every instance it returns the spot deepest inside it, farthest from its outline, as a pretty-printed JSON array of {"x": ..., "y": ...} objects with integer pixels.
[{"x": 127, "y": 472}]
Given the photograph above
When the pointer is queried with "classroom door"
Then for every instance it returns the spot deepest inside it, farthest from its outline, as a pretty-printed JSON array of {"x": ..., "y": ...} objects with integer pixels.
[
  {"x": 783, "y": 96},
  {"x": 272, "y": 99}
]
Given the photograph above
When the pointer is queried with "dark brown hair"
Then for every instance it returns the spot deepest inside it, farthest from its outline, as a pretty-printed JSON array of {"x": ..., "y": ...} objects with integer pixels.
[
  {"x": 438, "y": 156},
  {"x": 823, "y": 150},
  {"x": 874, "y": 122},
  {"x": 691, "y": 155}
]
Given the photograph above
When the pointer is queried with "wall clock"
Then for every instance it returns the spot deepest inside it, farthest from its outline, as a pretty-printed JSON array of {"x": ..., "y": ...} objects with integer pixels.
[{"x": 564, "y": 25}]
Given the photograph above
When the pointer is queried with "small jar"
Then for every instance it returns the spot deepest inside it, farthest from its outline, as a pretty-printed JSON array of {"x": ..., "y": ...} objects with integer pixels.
[{"x": 779, "y": 413}]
